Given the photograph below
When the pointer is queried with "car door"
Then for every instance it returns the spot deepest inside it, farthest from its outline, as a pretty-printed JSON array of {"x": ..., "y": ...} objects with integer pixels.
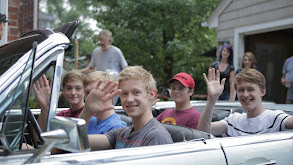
[{"x": 265, "y": 149}]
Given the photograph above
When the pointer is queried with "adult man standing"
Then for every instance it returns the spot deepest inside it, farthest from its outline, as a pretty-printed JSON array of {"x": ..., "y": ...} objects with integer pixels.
[
  {"x": 287, "y": 78},
  {"x": 2, "y": 24},
  {"x": 106, "y": 57}
]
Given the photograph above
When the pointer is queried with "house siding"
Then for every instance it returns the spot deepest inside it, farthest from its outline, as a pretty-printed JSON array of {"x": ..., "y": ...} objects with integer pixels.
[{"x": 241, "y": 13}]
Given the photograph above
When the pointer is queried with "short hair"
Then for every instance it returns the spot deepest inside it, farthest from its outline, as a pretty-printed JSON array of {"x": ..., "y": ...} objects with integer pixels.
[
  {"x": 252, "y": 76},
  {"x": 138, "y": 72},
  {"x": 107, "y": 35},
  {"x": 97, "y": 76},
  {"x": 72, "y": 75},
  {"x": 252, "y": 59}
]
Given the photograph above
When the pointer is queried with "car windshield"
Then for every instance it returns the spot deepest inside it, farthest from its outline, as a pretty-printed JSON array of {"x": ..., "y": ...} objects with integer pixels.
[{"x": 14, "y": 106}]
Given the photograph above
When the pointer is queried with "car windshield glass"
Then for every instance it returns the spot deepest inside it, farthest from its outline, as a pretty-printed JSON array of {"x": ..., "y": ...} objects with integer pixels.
[{"x": 14, "y": 107}]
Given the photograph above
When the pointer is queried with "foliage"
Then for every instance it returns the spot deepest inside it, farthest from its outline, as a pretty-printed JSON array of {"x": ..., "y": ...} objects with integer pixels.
[
  {"x": 164, "y": 36},
  {"x": 70, "y": 10}
]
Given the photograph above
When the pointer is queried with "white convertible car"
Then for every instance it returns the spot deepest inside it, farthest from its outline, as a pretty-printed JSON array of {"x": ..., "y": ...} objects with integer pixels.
[{"x": 39, "y": 52}]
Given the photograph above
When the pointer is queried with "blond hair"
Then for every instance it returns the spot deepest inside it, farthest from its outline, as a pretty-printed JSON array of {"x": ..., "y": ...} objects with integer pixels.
[
  {"x": 97, "y": 76},
  {"x": 72, "y": 75},
  {"x": 252, "y": 59},
  {"x": 107, "y": 35},
  {"x": 252, "y": 76},
  {"x": 137, "y": 72}
]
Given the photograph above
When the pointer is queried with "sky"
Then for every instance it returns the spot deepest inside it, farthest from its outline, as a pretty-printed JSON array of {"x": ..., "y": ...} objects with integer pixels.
[{"x": 92, "y": 22}]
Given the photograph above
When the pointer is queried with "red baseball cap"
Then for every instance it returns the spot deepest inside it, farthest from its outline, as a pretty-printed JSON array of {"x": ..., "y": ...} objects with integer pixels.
[{"x": 185, "y": 79}]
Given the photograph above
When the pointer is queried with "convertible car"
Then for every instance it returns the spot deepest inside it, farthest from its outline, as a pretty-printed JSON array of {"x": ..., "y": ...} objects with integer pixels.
[{"x": 42, "y": 51}]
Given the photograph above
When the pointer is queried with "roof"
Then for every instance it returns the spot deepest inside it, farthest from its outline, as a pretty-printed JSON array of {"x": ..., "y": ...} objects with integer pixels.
[{"x": 212, "y": 21}]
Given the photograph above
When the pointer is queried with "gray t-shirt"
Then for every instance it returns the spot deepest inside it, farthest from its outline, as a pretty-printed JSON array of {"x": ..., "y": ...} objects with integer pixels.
[
  {"x": 288, "y": 69},
  {"x": 153, "y": 133},
  {"x": 111, "y": 60}
]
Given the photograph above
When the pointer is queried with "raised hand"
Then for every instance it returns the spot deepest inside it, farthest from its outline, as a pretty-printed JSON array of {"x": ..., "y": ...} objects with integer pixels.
[
  {"x": 98, "y": 98},
  {"x": 214, "y": 86},
  {"x": 42, "y": 92}
]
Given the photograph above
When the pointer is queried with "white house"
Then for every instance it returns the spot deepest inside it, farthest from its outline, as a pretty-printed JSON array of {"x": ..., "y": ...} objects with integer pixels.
[{"x": 263, "y": 27}]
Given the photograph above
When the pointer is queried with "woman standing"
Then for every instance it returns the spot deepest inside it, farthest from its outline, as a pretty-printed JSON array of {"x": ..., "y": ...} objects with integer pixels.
[
  {"x": 248, "y": 61},
  {"x": 225, "y": 65}
]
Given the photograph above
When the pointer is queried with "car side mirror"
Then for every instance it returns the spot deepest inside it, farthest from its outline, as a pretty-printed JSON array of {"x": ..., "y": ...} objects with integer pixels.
[{"x": 66, "y": 133}]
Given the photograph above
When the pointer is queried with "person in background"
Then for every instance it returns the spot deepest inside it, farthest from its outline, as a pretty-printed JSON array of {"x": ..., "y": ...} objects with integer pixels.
[
  {"x": 287, "y": 79},
  {"x": 137, "y": 90},
  {"x": 250, "y": 85},
  {"x": 73, "y": 91},
  {"x": 104, "y": 121},
  {"x": 225, "y": 65},
  {"x": 184, "y": 114},
  {"x": 3, "y": 20},
  {"x": 248, "y": 61},
  {"x": 106, "y": 57}
]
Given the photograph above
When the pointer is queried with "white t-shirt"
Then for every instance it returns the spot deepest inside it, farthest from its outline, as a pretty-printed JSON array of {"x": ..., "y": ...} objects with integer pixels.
[{"x": 269, "y": 121}]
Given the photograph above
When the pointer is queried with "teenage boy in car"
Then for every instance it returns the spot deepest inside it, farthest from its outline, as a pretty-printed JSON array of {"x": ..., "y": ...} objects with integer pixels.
[
  {"x": 104, "y": 121},
  {"x": 73, "y": 91},
  {"x": 184, "y": 114},
  {"x": 137, "y": 90},
  {"x": 250, "y": 85}
]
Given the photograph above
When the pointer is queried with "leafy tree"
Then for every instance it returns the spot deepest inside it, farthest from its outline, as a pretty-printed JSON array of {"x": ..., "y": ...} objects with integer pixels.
[
  {"x": 164, "y": 36},
  {"x": 70, "y": 10}
]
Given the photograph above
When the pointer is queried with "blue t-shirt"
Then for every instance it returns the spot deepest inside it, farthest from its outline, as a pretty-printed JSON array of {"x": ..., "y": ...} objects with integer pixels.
[{"x": 100, "y": 127}]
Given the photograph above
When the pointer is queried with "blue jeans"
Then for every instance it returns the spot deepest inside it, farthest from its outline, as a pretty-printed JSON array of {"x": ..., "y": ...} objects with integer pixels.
[{"x": 224, "y": 96}]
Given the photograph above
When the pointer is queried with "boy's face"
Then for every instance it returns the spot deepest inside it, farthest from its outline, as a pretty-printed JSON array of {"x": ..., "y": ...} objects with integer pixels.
[
  {"x": 89, "y": 87},
  {"x": 179, "y": 92},
  {"x": 74, "y": 92},
  {"x": 250, "y": 95},
  {"x": 135, "y": 99}
]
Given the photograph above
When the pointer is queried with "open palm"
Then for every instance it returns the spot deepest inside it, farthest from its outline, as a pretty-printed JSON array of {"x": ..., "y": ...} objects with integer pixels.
[
  {"x": 42, "y": 91},
  {"x": 97, "y": 99},
  {"x": 215, "y": 87}
]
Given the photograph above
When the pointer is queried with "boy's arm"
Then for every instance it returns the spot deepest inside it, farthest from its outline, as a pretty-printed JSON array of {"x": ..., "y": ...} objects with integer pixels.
[
  {"x": 86, "y": 115},
  {"x": 99, "y": 142},
  {"x": 289, "y": 123},
  {"x": 215, "y": 88},
  {"x": 232, "y": 77}
]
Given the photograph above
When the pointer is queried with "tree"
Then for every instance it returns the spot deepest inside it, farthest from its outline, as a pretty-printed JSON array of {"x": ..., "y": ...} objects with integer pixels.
[
  {"x": 70, "y": 10},
  {"x": 164, "y": 36}
]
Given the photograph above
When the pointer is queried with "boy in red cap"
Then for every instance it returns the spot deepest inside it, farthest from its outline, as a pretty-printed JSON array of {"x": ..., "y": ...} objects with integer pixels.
[{"x": 184, "y": 114}]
